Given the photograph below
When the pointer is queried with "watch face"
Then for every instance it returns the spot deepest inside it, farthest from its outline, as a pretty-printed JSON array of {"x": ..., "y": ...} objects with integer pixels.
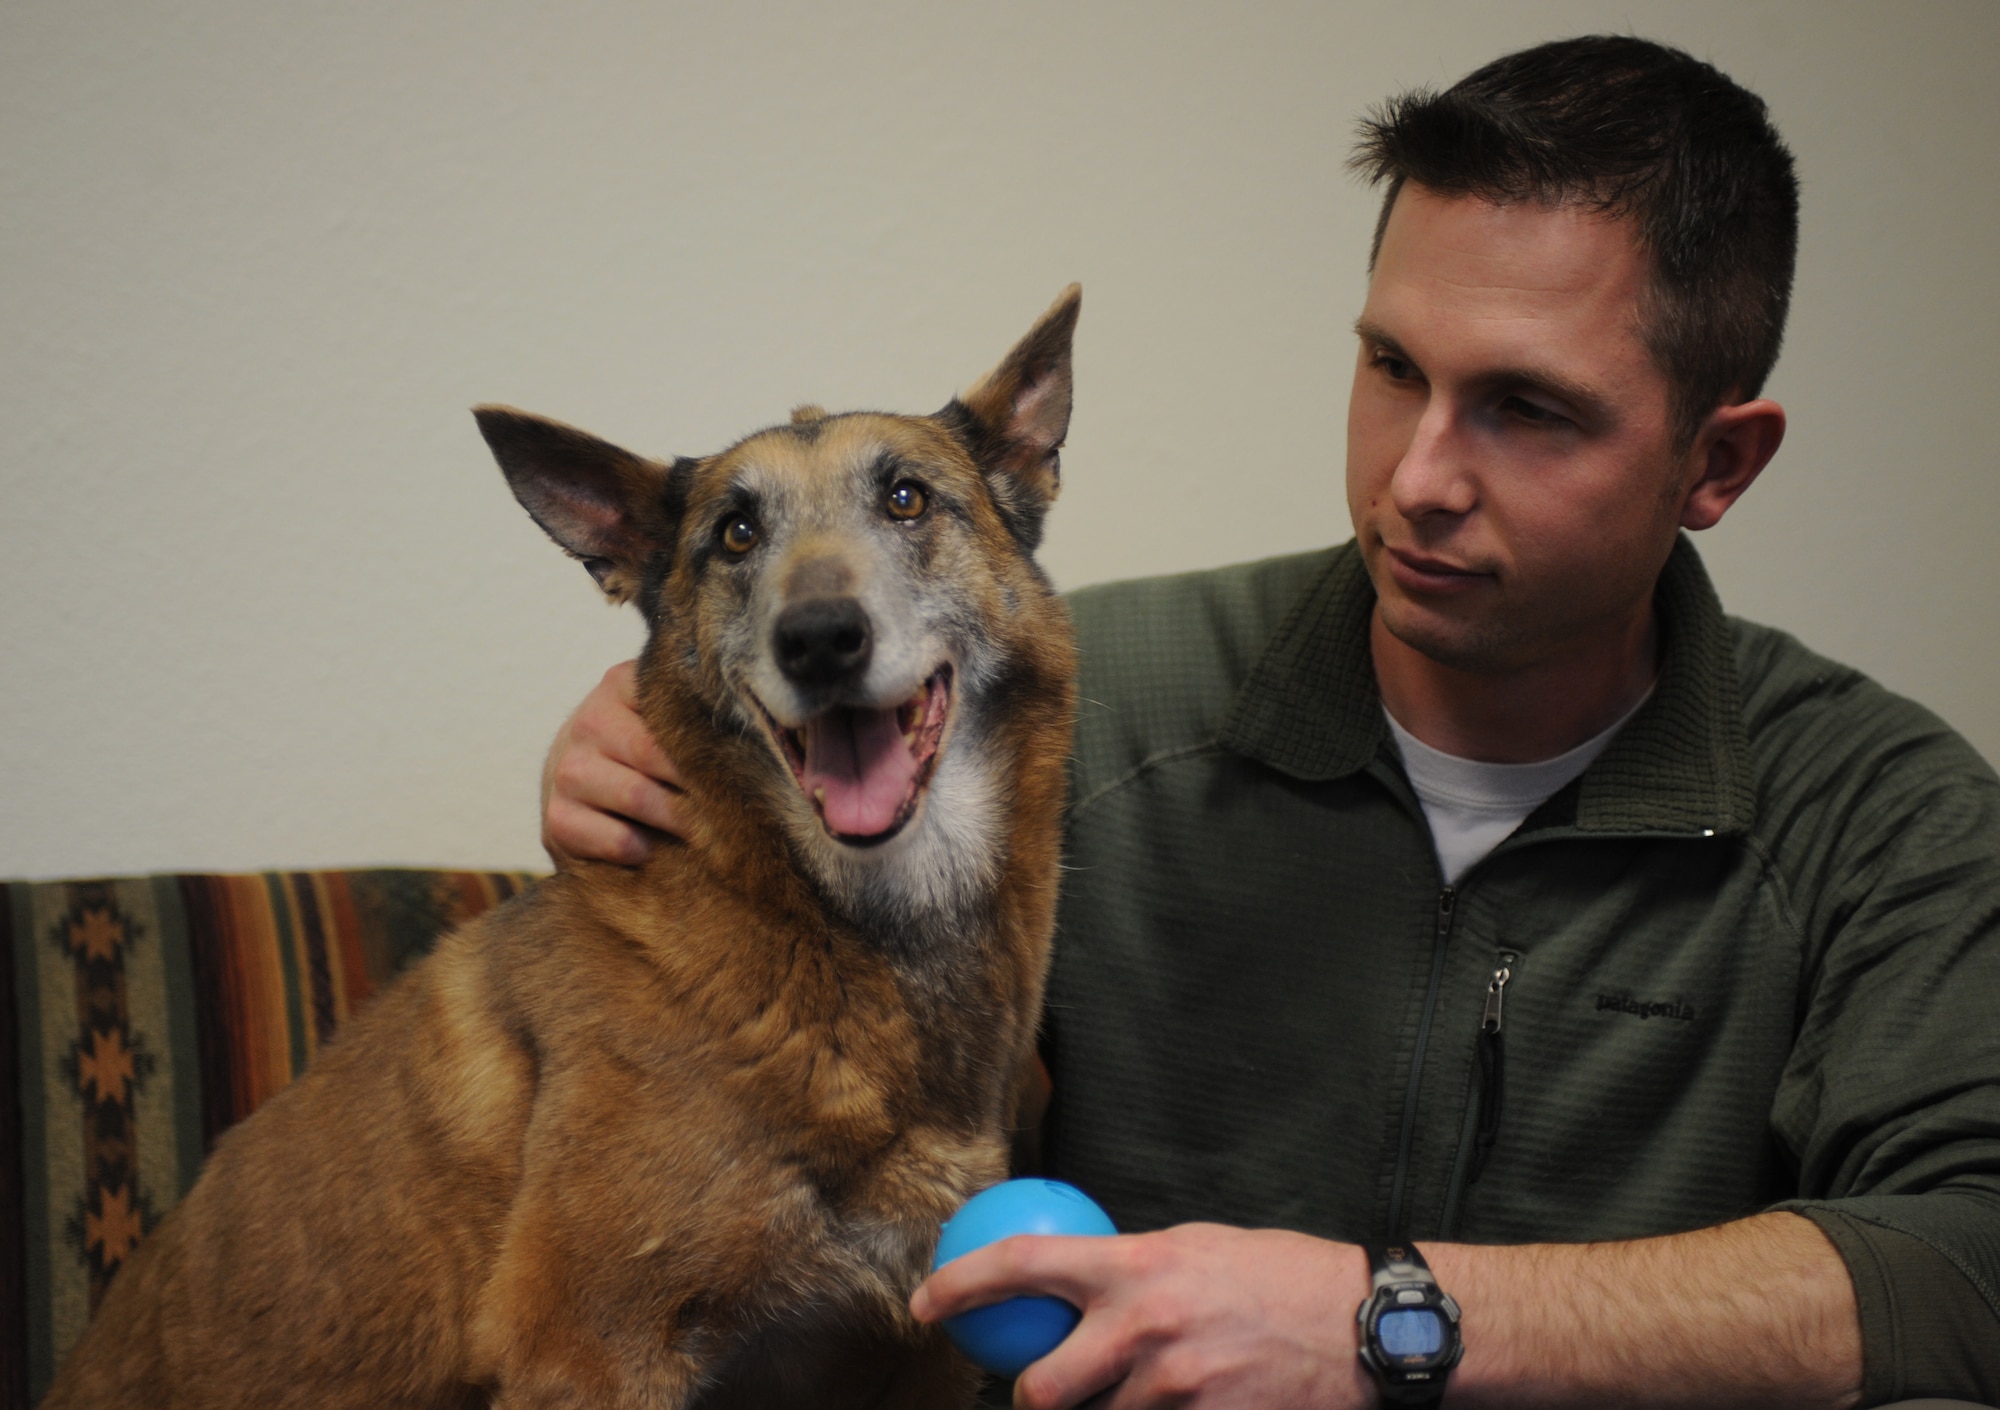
[{"x": 1413, "y": 1334}]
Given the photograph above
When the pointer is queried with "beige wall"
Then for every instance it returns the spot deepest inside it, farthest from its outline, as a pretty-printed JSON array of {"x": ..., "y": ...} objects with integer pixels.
[{"x": 264, "y": 601}]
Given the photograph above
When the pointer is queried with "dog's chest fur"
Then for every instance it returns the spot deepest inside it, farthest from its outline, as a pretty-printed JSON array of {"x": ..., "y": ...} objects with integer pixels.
[{"x": 781, "y": 1136}]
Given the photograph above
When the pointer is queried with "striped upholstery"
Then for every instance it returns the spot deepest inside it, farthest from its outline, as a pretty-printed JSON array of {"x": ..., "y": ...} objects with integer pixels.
[{"x": 139, "y": 1018}]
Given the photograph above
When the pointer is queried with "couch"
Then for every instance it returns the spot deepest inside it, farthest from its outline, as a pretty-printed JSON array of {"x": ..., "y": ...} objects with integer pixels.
[{"x": 140, "y": 1017}]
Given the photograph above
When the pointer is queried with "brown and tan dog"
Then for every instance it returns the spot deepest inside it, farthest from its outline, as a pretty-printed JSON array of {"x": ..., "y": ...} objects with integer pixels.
[{"x": 683, "y": 1135}]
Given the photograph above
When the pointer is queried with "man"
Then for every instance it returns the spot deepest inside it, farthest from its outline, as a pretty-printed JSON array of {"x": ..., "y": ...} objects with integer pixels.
[{"x": 1478, "y": 883}]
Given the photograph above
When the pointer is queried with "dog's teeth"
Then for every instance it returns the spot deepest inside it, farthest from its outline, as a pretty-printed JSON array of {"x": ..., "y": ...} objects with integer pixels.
[
  {"x": 910, "y": 740},
  {"x": 819, "y": 796}
]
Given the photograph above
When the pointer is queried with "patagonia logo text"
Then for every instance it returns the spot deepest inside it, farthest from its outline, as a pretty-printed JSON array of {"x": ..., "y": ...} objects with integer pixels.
[{"x": 1640, "y": 1008}]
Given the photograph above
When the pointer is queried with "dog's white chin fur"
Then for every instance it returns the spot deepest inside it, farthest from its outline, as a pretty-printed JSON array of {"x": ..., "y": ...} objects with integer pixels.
[{"x": 945, "y": 859}]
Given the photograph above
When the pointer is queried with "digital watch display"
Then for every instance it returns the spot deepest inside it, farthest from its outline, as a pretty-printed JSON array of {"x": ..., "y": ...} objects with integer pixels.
[{"x": 1409, "y": 1327}]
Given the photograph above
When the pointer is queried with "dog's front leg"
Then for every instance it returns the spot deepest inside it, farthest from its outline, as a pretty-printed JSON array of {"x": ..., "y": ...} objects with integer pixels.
[
  {"x": 584, "y": 1304},
  {"x": 544, "y": 1337}
]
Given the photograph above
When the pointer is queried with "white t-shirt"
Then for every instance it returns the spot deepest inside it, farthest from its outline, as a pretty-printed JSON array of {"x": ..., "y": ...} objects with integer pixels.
[{"x": 1472, "y": 806}]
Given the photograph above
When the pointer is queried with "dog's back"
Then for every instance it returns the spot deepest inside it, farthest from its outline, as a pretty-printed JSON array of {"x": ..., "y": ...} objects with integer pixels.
[
  {"x": 684, "y": 1134},
  {"x": 318, "y": 1228}
]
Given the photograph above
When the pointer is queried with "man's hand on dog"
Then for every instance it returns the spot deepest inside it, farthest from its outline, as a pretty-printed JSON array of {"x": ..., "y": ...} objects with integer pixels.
[
  {"x": 607, "y": 790},
  {"x": 1197, "y": 1315}
]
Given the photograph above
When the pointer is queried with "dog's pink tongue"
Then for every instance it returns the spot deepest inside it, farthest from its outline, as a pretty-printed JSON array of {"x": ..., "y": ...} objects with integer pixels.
[{"x": 859, "y": 768}]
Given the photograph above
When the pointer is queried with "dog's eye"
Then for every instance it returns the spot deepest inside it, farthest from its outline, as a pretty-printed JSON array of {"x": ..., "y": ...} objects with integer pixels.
[
  {"x": 739, "y": 535},
  {"x": 906, "y": 500}
]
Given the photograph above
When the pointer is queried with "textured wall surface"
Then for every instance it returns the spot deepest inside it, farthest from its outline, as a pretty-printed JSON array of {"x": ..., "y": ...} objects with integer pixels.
[{"x": 264, "y": 600}]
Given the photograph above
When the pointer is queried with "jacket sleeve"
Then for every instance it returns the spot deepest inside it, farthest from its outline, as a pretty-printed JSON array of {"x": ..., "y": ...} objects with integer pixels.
[{"x": 1891, "y": 1100}]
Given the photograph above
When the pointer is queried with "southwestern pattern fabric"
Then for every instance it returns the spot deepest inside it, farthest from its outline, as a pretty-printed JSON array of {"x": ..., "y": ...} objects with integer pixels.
[{"x": 140, "y": 1017}]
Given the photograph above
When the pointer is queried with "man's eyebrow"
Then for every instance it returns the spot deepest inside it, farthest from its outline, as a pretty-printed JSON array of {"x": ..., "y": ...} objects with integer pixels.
[
  {"x": 1544, "y": 379},
  {"x": 1374, "y": 333}
]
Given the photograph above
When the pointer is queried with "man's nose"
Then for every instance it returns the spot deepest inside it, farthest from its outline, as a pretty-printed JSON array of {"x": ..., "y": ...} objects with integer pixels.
[{"x": 1435, "y": 474}]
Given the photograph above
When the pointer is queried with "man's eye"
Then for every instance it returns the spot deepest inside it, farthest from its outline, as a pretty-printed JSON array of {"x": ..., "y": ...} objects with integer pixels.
[
  {"x": 1395, "y": 368},
  {"x": 739, "y": 535},
  {"x": 1533, "y": 412}
]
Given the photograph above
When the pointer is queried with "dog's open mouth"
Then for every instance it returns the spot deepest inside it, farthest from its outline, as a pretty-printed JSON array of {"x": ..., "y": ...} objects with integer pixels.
[{"x": 866, "y": 770}]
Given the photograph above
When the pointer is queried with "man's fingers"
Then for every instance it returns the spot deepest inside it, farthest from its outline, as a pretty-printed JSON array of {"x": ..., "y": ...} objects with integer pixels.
[
  {"x": 596, "y": 803},
  {"x": 1071, "y": 1268},
  {"x": 608, "y": 790},
  {"x": 609, "y": 720},
  {"x": 1075, "y": 1269},
  {"x": 1086, "y": 1364},
  {"x": 572, "y": 832},
  {"x": 626, "y": 739},
  {"x": 598, "y": 781}
]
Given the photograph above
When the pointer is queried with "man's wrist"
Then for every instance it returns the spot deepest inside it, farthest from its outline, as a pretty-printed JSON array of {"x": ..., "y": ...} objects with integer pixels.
[{"x": 1407, "y": 1327}]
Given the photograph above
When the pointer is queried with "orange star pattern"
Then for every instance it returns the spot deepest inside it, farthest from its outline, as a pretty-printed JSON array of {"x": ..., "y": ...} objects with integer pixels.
[
  {"x": 107, "y": 1067},
  {"x": 115, "y": 1231},
  {"x": 96, "y": 935}
]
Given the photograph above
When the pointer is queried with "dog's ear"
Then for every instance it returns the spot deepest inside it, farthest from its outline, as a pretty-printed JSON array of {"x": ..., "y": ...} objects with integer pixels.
[
  {"x": 1014, "y": 418},
  {"x": 598, "y": 502}
]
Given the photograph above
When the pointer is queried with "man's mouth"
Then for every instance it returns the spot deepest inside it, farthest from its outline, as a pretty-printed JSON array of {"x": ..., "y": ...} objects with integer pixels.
[
  {"x": 1422, "y": 572},
  {"x": 865, "y": 770}
]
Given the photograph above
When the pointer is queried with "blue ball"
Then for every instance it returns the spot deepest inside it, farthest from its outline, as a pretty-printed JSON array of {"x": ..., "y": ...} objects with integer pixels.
[{"x": 1005, "y": 1337}]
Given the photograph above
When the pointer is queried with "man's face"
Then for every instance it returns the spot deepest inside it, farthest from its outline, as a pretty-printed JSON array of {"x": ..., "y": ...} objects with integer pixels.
[{"x": 1510, "y": 468}]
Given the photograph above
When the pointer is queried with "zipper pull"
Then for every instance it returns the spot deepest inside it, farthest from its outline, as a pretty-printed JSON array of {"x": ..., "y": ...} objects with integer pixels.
[
  {"x": 1495, "y": 993},
  {"x": 1492, "y": 1068}
]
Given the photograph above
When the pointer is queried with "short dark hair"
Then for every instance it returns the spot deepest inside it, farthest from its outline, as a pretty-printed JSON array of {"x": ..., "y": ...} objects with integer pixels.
[{"x": 1642, "y": 132}]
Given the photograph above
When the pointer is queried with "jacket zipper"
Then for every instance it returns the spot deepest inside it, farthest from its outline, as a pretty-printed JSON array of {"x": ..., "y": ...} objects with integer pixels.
[
  {"x": 1447, "y": 905},
  {"x": 1492, "y": 1069},
  {"x": 1480, "y": 1130}
]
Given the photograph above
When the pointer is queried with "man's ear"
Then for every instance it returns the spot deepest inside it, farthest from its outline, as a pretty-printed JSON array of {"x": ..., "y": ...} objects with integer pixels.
[
  {"x": 1731, "y": 450},
  {"x": 1015, "y": 418},
  {"x": 598, "y": 502}
]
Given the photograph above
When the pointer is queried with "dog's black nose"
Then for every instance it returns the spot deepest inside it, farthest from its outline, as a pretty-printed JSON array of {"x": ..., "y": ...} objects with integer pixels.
[{"x": 823, "y": 641}]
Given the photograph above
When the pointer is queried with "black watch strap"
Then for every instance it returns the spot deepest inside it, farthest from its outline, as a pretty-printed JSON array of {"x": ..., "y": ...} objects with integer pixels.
[
  {"x": 1398, "y": 1263},
  {"x": 1411, "y": 1355}
]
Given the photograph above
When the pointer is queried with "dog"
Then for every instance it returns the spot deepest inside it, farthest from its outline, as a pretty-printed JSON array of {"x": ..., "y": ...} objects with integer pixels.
[{"x": 683, "y": 1135}]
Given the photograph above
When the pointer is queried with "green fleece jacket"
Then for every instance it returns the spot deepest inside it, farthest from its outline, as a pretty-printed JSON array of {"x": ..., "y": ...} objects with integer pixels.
[{"x": 1752, "y": 959}]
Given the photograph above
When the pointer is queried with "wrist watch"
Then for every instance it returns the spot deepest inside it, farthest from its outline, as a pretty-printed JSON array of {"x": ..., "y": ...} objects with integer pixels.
[{"x": 1409, "y": 1327}]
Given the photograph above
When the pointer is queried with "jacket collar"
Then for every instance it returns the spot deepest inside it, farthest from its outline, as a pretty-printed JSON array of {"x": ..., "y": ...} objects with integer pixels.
[{"x": 1310, "y": 708}]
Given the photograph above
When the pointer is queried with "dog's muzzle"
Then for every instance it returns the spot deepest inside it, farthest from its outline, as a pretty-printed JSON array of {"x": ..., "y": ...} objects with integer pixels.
[{"x": 863, "y": 767}]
